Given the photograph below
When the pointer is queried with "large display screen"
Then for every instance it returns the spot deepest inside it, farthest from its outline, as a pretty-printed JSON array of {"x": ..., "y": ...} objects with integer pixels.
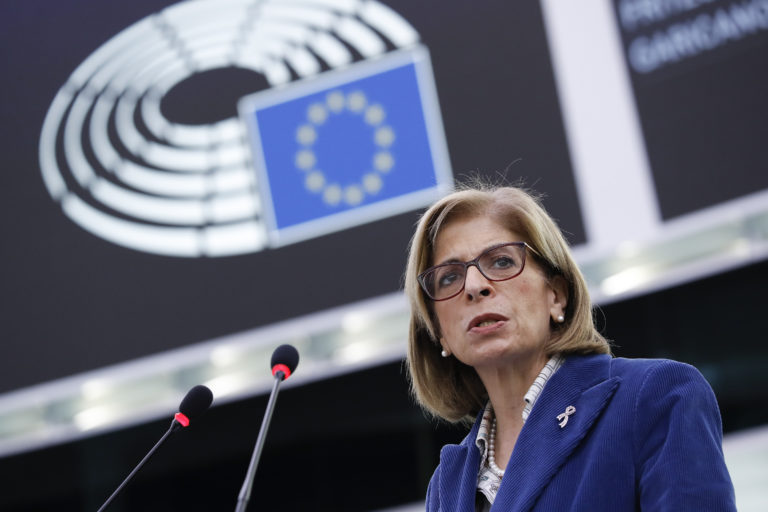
[{"x": 130, "y": 210}]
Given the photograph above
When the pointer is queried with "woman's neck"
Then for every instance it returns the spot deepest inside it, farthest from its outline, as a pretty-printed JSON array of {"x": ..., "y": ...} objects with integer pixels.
[
  {"x": 508, "y": 383},
  {"x": 507, "y": 386}
]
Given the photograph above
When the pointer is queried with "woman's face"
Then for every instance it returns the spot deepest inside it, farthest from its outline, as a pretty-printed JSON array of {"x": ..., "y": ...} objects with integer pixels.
[{"x": 494, "y": 323}]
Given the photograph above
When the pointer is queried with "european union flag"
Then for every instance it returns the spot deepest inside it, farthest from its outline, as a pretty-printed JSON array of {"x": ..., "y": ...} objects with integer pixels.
[{"x": 348, "y": 147}]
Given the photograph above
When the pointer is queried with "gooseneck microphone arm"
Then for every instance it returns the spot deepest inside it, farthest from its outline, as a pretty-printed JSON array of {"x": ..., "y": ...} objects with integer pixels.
[
  {"x": 284, "y": 360},
  {"x": 197, "y": 400},
  {"x": 174, "y": 427},
  {"x": 245, "y": 490}
]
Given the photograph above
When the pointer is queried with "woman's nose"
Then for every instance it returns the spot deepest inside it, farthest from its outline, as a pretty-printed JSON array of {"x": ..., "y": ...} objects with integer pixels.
[{"x": 476, "y": 284}]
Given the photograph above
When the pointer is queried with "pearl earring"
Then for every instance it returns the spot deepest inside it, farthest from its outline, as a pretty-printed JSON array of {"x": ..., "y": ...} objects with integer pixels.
[
  {"x": 560, "y": 319},
  {"x": 444, "y": 353}
]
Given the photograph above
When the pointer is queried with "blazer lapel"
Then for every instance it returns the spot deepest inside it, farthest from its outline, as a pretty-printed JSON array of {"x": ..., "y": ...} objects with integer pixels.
[
  {"x": 543, "y": 446},
  {"x": 459, "y": 465}
]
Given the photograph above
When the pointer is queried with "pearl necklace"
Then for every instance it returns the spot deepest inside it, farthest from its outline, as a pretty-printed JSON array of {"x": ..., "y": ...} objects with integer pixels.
[{"x": 496, "y": 470}]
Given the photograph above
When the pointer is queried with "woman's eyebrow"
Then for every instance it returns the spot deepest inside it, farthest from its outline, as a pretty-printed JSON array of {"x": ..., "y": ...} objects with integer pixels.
[
  {"x": 453, "y": 259},
  {"x": 450, "y": 260}
]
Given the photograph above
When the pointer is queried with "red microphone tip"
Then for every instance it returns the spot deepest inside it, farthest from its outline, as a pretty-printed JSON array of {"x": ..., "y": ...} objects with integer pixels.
[
  {"x": 182, "y": 419},
  {"x": 281, "y": 368}
]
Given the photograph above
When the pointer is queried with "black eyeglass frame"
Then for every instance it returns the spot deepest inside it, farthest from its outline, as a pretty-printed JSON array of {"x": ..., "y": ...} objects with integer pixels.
[{"x": 475, "y": 262}]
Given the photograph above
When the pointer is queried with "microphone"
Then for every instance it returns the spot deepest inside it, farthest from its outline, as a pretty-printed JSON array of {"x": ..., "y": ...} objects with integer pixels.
[
  {"x": 285, "y": 359},
  {"x": 196, "y": 402}
]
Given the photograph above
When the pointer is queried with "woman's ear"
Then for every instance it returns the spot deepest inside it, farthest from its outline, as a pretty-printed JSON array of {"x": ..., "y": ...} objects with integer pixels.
[{"x": 559, "y": 297}]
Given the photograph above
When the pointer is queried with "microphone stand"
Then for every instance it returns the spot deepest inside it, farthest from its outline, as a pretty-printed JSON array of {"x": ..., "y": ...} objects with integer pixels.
[
  {"x": 245, "y": 490},
  {"x": 174, "y": 427}
]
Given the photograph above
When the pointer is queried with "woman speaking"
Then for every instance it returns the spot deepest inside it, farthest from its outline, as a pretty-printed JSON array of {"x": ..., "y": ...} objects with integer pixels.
[{"x": 502, "y": 334}]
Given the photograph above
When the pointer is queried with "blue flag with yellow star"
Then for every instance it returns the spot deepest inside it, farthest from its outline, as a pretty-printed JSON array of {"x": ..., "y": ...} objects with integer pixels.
[{"x": 348, "y": 147}]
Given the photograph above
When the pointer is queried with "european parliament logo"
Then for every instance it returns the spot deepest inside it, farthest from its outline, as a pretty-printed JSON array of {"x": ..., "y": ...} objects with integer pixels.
[
  {"x": 353, "y": 141},
  {"x": 347, "y": 147}
]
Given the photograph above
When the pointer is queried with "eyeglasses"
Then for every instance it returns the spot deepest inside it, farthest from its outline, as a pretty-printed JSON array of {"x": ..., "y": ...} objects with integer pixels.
[{"x": 497, "y": 263}]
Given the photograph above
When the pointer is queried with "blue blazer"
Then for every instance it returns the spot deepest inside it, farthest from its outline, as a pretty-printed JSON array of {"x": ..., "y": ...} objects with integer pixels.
[{"x": 646, "y": 435}]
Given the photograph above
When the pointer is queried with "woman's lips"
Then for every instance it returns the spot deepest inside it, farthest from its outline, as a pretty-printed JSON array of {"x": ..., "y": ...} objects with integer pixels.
[{"x": 486, "y": 323}]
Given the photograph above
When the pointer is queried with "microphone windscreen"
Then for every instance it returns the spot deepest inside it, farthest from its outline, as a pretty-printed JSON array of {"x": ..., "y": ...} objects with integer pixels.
[
  {"x": 198, "y": 399},
  {"x": 287, "y": 355}
]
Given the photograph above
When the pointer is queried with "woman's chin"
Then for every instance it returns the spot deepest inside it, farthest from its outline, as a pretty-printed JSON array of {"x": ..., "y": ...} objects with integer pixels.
[{"x": 505, "y": 356}]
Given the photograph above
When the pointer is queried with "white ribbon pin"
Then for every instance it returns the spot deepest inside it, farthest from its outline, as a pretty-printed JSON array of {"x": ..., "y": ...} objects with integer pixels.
[{"x": 563, "y": 417}]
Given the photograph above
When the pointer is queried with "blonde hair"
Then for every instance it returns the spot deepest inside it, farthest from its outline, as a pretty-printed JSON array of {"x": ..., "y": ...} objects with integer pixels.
[{"x": 446, "y": 387}]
